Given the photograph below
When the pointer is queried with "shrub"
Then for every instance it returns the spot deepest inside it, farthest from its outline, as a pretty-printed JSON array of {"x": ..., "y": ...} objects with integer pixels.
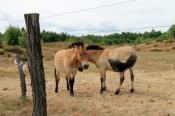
[
  {"x": 11, "y": 35},
  {"x": 172, "y": 31},
  {"x": 22, "y": 39}
]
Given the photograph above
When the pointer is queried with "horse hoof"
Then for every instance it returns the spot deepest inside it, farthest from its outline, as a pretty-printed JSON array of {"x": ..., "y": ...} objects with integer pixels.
[
  {"x": 56, "y": 90},
  {"x": 104, "y": 89},
  {"x": 132, "y": 90},
  {"x": 72, "y": 94},
  {"x": 117, "y": 92}
]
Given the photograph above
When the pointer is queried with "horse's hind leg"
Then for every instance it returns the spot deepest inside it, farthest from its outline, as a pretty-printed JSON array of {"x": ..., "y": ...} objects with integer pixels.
[
  {"x": 132, "y": 80},
  {"x": 103, "y": 81},
  {"x": 57, "y": 79},
  {"x": 121, "y": 82}
]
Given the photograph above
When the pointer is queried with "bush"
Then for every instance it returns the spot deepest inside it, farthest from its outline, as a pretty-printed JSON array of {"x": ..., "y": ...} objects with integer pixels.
[
  {"x": 22, "y": 39},
  {"x": 172, "y": 31},
  {"x": 11, "y": 35},
  {"x": 1, "y": 44}
]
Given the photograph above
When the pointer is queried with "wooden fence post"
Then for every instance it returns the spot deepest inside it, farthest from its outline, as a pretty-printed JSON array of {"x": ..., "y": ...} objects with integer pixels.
[
  {"x": 21, "y": 75},
  {"x": 35, "y": 65}
]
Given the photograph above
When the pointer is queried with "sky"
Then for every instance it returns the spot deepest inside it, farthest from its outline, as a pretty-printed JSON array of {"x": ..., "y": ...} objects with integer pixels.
[{"x": 116, "y": 18}]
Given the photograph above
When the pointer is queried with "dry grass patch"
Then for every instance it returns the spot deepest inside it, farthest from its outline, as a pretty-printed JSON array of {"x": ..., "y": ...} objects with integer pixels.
[
  {"x": 13, "y": 104},
  {"x": 2, "y": 52},
  {"x": 173, "y": 48},
  {"x": 156, "y": 50},
  {"x": 16, "y": 50},
  {"x": 169, "y": 41},
  {"x": 155, "y": 45}
]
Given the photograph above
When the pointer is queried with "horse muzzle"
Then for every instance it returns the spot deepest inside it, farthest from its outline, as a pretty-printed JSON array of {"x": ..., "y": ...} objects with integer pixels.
[
  {"x": 80, "y": 68},
  {"x": 86, "y": 66}
]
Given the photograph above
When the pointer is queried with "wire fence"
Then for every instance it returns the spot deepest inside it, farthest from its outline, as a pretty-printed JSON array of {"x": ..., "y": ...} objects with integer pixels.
[{"x": 89, "y": 9}]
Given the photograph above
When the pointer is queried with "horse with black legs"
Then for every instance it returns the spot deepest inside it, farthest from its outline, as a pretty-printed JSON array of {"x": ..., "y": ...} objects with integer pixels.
[
  {"x": 69, "y": 61},
  {"x": 115, "y": 59}
]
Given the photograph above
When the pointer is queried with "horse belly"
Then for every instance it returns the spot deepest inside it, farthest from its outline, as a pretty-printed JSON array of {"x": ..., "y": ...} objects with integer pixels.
[{"x": 119, "y": 66}]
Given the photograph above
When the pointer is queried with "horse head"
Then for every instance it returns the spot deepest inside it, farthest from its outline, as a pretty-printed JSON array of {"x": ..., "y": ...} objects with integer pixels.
[{"x": 81, "y": 55}]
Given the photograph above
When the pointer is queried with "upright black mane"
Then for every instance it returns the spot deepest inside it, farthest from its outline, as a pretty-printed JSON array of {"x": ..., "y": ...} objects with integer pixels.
[
  {"x": 94, "y": 47},
  {"x": 73, "y": 45}
]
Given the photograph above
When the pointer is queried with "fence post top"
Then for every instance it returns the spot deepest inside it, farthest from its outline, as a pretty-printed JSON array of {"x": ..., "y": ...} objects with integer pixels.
[{"x": 31, "y": 14}]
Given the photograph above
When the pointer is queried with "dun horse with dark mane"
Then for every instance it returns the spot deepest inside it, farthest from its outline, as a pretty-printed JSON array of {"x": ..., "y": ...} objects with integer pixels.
[
  {"x": 116, "y": 59},
  {"x": 68, "y": 61}
]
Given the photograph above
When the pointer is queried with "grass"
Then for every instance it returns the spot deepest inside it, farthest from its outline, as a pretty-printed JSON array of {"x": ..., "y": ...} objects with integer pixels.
[
  {"x": 16, "y": 50},
  {"x": 147, "y": 65},
  {"x": 156, "y": 50},
  {"x": 14, "y": 105},
  {"x": 2, "y": 52},
  {"x": 173, "y": 48},
  {"x": 169, "y": 41},
  {"x": 155, "y": 45},
  {"x": 149, "y": 42}
]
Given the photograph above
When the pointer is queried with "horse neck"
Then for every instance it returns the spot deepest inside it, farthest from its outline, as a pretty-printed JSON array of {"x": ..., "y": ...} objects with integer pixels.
[
  {"x": 74, "y": 57},
  {"x": 94, "y": 55}
]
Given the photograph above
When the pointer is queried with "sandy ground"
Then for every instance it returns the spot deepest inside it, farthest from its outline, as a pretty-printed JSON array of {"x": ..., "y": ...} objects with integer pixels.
[{"x": 154, "y": 90}]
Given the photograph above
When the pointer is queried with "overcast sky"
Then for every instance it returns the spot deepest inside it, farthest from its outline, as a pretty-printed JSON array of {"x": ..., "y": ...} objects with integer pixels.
[{"x": 135, "y": 14}]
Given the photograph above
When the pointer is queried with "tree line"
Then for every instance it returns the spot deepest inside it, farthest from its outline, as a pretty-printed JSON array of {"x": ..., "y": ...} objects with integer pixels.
[{"x": 17, "y": 36}]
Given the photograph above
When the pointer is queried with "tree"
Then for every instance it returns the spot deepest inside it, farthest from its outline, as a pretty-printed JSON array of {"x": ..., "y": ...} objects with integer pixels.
[
  {"x": 0, "y": 40},
  {"x": 171, "y": 31},
  {"x": 11, "y": 35},
  {"x": 0, "y": 35}
]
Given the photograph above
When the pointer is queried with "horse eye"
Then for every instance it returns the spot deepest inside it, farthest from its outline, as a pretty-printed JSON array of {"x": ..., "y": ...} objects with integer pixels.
[{"x": 81, "y": 54}]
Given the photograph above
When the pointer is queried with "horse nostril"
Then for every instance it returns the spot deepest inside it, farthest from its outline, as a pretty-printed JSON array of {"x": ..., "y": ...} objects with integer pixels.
[
  {"x": 80, "y": 69},
  {"x": 86, "y": 66}
]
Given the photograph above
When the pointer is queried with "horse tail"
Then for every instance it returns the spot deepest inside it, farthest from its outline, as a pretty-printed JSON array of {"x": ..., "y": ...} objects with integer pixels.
[
  {"x": 55, "y": 73},
  {"x": 56, "y": 81}
]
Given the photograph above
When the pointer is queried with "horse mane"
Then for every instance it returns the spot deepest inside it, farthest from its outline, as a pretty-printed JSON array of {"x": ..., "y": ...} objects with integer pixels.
[
  {"x": 73, "y": 45},
  {"x": 94, "y": 47}
]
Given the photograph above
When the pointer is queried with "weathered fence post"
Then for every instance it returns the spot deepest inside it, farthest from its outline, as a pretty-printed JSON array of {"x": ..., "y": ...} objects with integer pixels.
[
  {"x": 21, "y": 75},
  {"x": 35, "y": 65}
]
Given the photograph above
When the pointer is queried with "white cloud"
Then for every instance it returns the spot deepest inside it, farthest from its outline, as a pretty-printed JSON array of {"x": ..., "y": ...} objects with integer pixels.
[{"x": 139, "y": 13}]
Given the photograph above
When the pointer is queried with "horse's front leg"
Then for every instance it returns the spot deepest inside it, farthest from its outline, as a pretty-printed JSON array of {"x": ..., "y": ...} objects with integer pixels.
[
  {"x": 67, "y": 82},
  {"x": 71, "y": 84},
  {"x": 103, "y": 81}
]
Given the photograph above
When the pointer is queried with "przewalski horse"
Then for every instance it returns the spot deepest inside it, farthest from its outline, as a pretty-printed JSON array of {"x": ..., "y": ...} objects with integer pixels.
[
  {"x": 68, "y": 61},
  {"x": 116, "y": 59}
]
